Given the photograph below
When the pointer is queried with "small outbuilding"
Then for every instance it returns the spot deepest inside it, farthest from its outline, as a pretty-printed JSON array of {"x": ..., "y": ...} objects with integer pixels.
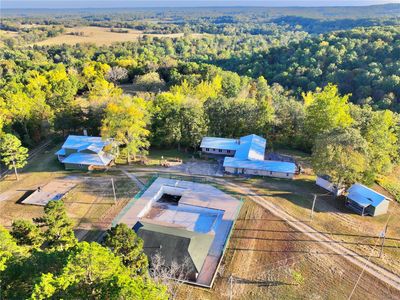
[
  {"x": 366, "y": 201},
  {"x": 324, "y": 181}
]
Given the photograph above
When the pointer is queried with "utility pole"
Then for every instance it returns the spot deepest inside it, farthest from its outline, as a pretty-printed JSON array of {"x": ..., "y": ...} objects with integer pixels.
[
  {"x": 383, "y": 236},
  {"x": 231, "y": 287},
  {"x": 312, "y": 208},
  {"x": 113, "y": 187}
]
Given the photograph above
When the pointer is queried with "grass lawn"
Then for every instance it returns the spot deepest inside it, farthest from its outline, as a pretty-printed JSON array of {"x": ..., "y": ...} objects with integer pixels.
[
  {"x": 156, "y": 155},
  {"x": 332, "y": 217},
  {"x": 39, "y": 171},
  {"x": 263, "y": 255},
  {"x": 90, "y": 204}
]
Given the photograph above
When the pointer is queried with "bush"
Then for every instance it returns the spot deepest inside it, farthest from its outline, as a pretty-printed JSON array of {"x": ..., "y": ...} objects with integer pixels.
[{"x": 391, "y": 185}]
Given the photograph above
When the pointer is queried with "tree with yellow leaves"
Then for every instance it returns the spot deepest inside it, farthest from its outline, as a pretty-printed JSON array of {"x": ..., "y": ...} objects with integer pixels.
[{"x": 125, "y": 121}]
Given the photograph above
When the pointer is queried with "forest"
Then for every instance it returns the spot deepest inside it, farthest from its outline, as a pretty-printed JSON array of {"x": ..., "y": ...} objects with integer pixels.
[
  {"x": 322, "y": 81},
  {"x": 301, "y": 89}
]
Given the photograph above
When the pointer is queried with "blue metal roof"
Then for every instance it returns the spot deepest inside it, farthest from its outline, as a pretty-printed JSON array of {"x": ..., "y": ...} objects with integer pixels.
[
  {"x": 219, "y": 143},
  {"x": 82, "y": 142},
  {"x": 100, "y": 159},
  {"x": 263, "y": 165},
  {"x": 364, "y": 196},
  {"x": 250, "y": 154},
  {"x": 60, "y": 152},
  {"x": 251, "y": 147}
]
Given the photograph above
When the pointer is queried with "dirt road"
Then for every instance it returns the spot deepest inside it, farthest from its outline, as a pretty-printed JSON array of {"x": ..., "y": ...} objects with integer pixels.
[{"x": 360, "y": 261}]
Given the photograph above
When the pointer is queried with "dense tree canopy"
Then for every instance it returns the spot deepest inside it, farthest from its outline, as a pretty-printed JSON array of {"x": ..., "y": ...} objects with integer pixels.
[
  {"x": 271, "y": 79},
  {"x": 49, "y": 263}
]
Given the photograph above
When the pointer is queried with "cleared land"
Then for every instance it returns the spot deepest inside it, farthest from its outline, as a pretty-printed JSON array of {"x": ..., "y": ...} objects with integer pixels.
[
  {"x": 98, "y": 36},
  {"x": 331, "y": 217},
  {"x": 90, "y": 203},
  {"x": 265, "y": 257}
]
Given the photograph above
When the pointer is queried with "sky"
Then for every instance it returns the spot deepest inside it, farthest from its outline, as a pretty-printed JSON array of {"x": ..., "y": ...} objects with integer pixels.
[{"x": 182, "y": 3}]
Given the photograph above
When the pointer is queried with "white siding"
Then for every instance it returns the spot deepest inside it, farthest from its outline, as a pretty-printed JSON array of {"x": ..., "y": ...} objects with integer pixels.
[
  {"x": 329, "y": 186},
  {"x": 258, "y": 172},
  {"x": 382, "y": 208},
  {"x": 218, "y": 151}
]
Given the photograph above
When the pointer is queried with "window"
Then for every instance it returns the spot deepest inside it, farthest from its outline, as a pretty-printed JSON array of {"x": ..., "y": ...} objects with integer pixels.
[
  {"x": 287, "y": 174},
  {"x": 228, "y": 151},
  {"x": 220, "y": 150},
  {"x": 270, "y": 173},
  {"x": 207, "y": 149}
]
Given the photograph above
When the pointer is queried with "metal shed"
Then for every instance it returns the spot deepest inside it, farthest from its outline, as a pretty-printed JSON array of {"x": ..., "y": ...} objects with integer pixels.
[{"x": 366, "y": 201}]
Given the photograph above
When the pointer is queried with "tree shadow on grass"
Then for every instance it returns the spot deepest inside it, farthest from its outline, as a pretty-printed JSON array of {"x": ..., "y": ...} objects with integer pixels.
[
  {"x": 309, "y": 241},
  {"x": 295, "y": 251},
  {"x": 260, "y": 283},
  {"x": 302, "y": 232}
]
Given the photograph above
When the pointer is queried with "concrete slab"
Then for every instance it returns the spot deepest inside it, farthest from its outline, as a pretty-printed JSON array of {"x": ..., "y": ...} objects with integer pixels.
[
  {"x": 54, "y": 190},
  {"x": 202, "y": 208}
]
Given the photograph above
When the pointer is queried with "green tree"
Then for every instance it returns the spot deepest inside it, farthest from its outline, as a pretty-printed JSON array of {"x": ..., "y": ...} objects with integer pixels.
[
  {"x": 165, "y": 125},
  {"x": 124, "y": 243},
  {"x": 325, "y": 110},
  {"x": 126, "y": 122},
  {"x": 381, "y": 134},
  {"x": 12, "y": 153},
  {"x": 26, "y": 233},
  {"x": 59, "y": 232},
  {"x": 341, "y": 154},
  {"x": 193, "y": 124},
  {"x": 93, "y": 272},
  {"x": 8, "y": 248}
]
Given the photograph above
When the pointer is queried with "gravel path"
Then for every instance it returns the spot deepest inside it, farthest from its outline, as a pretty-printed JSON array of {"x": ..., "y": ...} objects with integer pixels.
[{"x": 362, "y": 262}]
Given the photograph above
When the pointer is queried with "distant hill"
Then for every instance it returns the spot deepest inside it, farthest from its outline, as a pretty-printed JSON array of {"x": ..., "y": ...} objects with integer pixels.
[{"x": 327, "y": 12}]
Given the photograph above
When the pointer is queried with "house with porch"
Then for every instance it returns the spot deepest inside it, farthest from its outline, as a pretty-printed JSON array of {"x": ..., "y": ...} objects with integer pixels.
[
  {"x": 247, "y": 156},
  {"x": 366, "y": 201},
  {"x": 85, "y": 152}
]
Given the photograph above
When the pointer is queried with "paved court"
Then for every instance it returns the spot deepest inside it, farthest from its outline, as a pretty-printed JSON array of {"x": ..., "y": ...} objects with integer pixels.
[{"x": 54, "y": 190}]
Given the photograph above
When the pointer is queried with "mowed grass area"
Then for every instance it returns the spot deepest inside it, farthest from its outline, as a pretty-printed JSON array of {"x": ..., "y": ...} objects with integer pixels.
[
  {"x": 270, "y": 260},
  {"x": 90, "y": 204},
  {"x": 39, "y": 171},
  {"x": 98, "y": 35},
  {"x": 155, "y": 157},
  {"x": 331, "y": 217}
]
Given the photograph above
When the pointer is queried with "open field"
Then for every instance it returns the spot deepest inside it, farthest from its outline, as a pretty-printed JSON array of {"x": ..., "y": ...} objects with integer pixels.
[
  {"x": 270, "y": 260},
  {"x": 331, "y": 217},
  {"x": 98, "y": 36},
  {"x": 266, "y": 257},
  {"x": 90, "y": 204},
  {"x": 39, "y": 171}
]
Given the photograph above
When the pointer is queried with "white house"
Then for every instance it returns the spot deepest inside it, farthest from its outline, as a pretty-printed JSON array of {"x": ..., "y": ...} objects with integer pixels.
[
  {"x": 246, "y": 156},
  {"x": 220, "y": 146}
]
